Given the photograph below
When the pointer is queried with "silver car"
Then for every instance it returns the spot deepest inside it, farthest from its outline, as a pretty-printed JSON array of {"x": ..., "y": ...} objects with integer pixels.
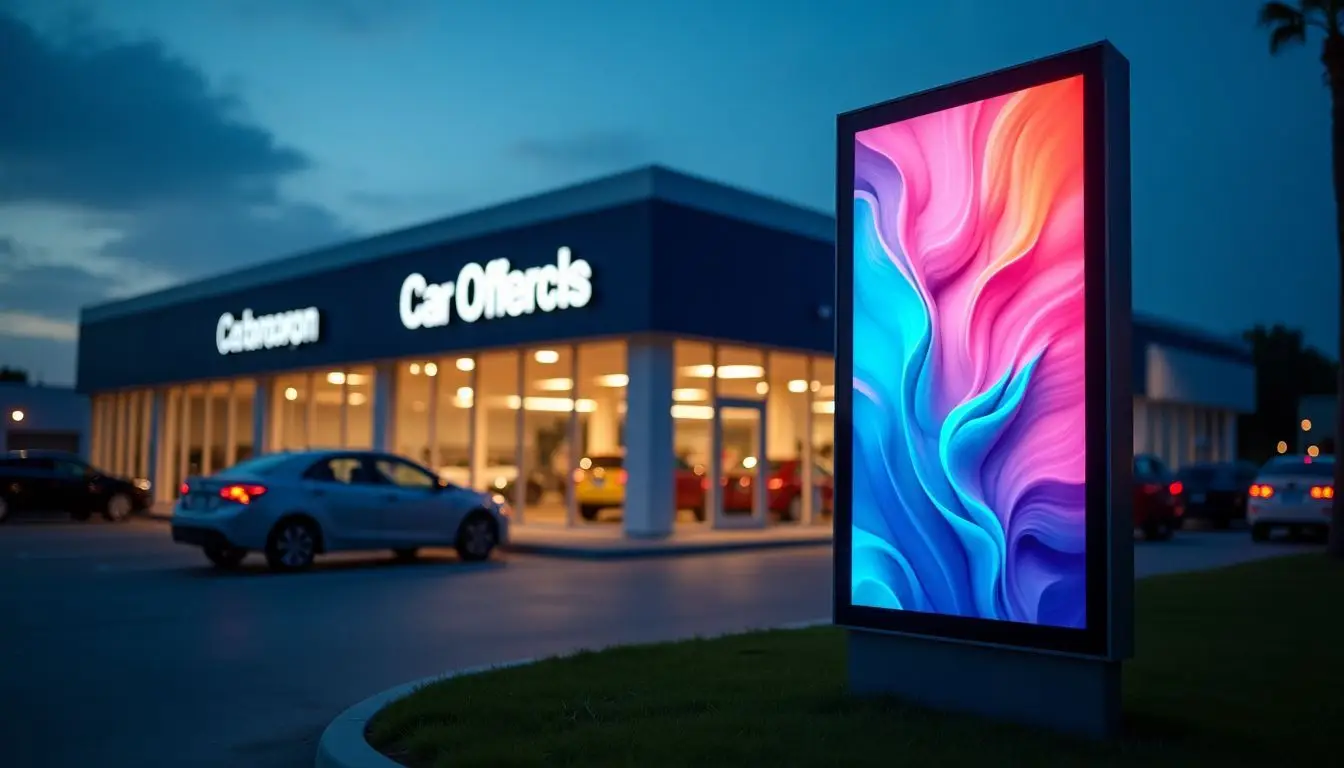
[{"x": 293, "y": 506}]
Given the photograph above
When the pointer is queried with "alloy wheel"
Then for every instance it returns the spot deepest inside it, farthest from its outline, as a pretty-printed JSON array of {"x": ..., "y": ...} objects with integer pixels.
[
  {"x": 480, "y": 537},
  {"x": 295, "y": 545}
]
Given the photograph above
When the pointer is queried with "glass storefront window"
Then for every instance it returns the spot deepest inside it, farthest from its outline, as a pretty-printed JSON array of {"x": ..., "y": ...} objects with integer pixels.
[
  {"x": 327, "y": 428},
  {"x": 244, "y": 442},
  {"x": 414, "y": 398},
  {"x": 450, "y": 454},
  {"x": 786, "y": 437},
  {"x": 290, "y": 408},
  {"x": 823, "y": 424},
  {"x": 193, "y": 428},
  {"x": 357, "y": 418},
  {"x": 497, "y": 403},
  {"x": 692, "y": 417},
  {"x": 548, "y": 401},
  {"x": 597, "y": 468}
]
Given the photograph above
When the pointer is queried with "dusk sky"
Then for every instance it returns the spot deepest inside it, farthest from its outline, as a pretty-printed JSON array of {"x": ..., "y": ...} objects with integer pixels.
[{"x": 148, "y": 142}]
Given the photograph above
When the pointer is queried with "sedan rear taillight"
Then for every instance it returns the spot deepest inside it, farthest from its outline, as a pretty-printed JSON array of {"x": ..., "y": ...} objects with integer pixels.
[
  {"x": 1323, "y": 492},
  {"x": 1176, "y": 488},
  {"x": 1261, "y": 491},
  {"x": 241, "y": 493}
]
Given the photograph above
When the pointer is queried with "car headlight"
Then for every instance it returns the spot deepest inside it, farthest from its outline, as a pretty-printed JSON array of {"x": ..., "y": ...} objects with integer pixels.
[
  {"x": 143, "y": 484},
  {"x": 502, "y": 505}
]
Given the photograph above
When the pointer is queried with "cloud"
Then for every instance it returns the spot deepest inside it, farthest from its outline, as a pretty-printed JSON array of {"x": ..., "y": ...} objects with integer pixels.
[
  {"x": 26, "y": 325},
  {"x": 122, "y": 171},
  {"x": 116, "y": 124},
  {"x": 595, "y": 150}
]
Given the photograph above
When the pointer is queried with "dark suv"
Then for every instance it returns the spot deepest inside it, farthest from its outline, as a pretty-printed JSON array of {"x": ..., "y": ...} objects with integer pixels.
[{"x": 55, "y": 481}]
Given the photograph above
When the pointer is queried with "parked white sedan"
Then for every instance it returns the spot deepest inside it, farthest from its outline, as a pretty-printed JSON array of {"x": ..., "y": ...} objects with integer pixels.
[
  {"x": 1292, "y": 492},
  {"x": 293, "y": 506}
]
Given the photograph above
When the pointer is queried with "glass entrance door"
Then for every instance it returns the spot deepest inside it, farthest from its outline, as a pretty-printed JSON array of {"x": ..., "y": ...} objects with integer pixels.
[{"x": 739, "y": 464}]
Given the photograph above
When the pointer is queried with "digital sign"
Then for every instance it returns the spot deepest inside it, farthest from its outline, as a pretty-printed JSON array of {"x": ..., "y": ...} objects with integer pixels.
[{"x": 980, "y": 318}]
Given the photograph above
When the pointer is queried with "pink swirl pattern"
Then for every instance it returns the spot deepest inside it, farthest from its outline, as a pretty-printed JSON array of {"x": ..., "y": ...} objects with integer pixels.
[{"x": 969, "y": 393}]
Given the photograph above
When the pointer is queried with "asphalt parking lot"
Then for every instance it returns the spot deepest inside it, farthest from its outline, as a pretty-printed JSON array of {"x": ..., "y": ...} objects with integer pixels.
[{"x": 120, "y": 648}]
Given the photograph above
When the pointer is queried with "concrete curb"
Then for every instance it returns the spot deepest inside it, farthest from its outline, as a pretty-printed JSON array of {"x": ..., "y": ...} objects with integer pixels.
[
  {"x": 343, "y": 744},
  {"x": 638, "y": 550}
]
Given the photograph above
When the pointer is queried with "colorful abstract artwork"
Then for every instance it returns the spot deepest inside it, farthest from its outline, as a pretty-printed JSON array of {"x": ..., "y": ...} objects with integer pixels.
[{"x": 969, "y": 435}]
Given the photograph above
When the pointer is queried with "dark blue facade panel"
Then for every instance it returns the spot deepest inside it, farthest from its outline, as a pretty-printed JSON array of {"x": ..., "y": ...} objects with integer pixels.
[
  {"x": 723, "y": 278},
  {"x": 360, "y": 308}
]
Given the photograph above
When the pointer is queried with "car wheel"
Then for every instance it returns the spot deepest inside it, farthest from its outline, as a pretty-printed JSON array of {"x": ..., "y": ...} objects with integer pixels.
[
  {"x": 795, "y": 511},
  {"x": 1259, "y": 532},
  {"x": 291, "y": 545},
  {"x": 118, "y": 508},
  {"x": 476, "y": 537},
  {"x": 405, "y": 555},
  {"x": 224, "y": 556},
  {"x": 589, "y": 513}
]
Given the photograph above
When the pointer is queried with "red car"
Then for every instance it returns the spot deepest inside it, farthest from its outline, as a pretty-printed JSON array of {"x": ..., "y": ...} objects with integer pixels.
[
  {"x": 1157, "y": 499},
  {"x": 784, "y": 489}
]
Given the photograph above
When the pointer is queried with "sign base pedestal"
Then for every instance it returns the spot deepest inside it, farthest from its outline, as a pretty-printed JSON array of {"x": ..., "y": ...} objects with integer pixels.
[{"x": 1062, "y": 693}]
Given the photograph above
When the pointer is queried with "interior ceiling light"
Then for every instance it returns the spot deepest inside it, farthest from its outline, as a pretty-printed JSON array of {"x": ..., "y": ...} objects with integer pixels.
[
  {"x": 546, "y": 356},
  {"x": 466, "y": 364},
  {"x": 613, "y": 380},
  {"x": 553, "y": 385},
  {"x": 725, "y": 371}
]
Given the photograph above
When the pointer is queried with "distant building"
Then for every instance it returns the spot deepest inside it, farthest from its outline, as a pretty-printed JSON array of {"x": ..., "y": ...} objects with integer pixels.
[
  {"x": 1189, "y": 387},
  {"x": 40, "y": 416},
  {"x": 1315, "y": 424}
]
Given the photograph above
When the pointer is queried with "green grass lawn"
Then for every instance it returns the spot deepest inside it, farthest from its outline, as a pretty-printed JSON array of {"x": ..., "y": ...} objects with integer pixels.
[{"x": 1241, "y": 666}]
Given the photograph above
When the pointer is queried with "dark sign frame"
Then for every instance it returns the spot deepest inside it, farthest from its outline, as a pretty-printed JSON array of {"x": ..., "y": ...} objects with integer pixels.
[{"x": 1109, "y": 531}]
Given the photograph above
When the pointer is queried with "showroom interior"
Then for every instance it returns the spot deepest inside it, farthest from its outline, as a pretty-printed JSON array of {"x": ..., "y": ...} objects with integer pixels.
[
  {"x": 484, "y": 420},
  {"x": 613, "y": 333}
]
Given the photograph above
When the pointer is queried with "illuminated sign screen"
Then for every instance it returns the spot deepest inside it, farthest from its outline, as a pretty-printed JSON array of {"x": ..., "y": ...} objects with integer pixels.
[{"x": 974, "y": 301}]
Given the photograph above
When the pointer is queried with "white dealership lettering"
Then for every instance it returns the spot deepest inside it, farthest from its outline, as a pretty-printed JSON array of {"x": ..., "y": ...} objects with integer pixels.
[
  {"x": 496, "y": 290},
  {"x": 248, "y": 333}
]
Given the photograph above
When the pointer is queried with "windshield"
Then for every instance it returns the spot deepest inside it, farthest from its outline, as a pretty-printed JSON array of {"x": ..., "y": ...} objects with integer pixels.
[{"x": 1301, "y": 465}]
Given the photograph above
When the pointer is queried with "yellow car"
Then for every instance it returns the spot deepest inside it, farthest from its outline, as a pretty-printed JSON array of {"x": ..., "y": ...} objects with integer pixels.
[{"x": 599, "y": 483}]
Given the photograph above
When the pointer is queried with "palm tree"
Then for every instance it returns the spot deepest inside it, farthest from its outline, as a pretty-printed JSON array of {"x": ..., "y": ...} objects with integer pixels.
[{"x": 1289, "y": 24}]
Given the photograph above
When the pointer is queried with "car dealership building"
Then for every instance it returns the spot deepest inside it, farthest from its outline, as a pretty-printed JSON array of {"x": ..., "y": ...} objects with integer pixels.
[{"x": 592, "y": 343}]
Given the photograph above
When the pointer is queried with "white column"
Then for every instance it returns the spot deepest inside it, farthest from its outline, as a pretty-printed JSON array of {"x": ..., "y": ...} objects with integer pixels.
[
  {"x": 184, "y": 438},
  {"x": 810, "y": 510},
  {"x": 519, "y": 440},
  {"x": 231, "y": 425},
  {"x": 479, "y": 419},
  {"x": 264, "y": 415},
  {"x": 650, "y": 488},
  {"x": 207, "y": 430},
  {"x": 150, "y": 437},
  {"x": 385, "y": 408},
  {"x": 1140, "y": 425}
]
